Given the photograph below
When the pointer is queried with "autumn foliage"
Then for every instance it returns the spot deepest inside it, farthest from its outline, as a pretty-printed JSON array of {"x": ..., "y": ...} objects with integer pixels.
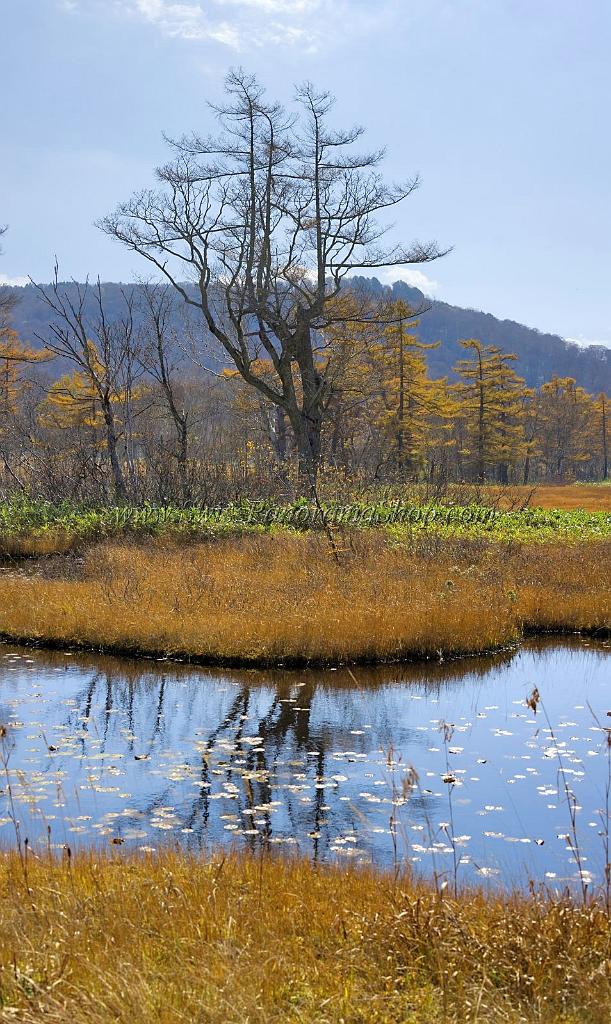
[{"x": 114, "y": 411}]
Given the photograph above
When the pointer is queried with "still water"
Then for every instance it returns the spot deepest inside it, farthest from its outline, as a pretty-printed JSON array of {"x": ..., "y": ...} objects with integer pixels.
[{"x": 102, "y": 750}]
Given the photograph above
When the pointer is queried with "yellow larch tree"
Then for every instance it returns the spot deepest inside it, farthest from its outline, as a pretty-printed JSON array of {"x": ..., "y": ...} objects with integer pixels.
[
  {"x": 14, "y": 357},
  {"x": 71, "y": 401},
  {"x": 492, "y": 410},
  {"x": 417, "y": 411},
  {"x": 601, "y": 432},
  {"x": 565, "y": 438}
]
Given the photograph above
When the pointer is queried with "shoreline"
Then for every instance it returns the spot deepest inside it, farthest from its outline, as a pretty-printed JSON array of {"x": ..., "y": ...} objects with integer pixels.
[
  {"x": 286, "y": 602},
  {"x": 230, "y": 938},
  {"x": 291, "y": 664}
]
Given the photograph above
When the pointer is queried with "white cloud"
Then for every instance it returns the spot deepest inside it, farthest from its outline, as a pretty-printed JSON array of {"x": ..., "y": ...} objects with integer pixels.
[
  {"x": 14, "y": 282},
  {"x": 415, "y": 278},
  {"x": 584, "y": 342},
  {"x": 236, "y": 24},
  {"x": 184, "y": 20},
  {"x": 233, "y": 23},
  {"x": 239, "y": 24},
  {"x": 289, "y": 7}
]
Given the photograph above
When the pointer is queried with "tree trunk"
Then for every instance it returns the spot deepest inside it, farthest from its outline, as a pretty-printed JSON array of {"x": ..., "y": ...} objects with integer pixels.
[
  {"x": 401, "y": 411},
  {"x": 307, "y": 420},
  {"x": 278, "y": 433},
  {"x": 481, "y": 472},
  {"x": 605, "y": 447},
  {"x": 182, "y": 459},
  {"x": 307, "y": 430},
  {"x": 115, "y": 465}
]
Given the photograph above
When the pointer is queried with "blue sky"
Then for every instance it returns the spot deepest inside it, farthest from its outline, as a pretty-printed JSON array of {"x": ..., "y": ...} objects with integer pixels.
[{"x": 502, "y": 106}]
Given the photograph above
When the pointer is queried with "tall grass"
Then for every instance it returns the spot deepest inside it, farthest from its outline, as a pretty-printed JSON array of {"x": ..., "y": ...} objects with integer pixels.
[
  {"x": 288, "y": 598},
  {"x": 229, "y": 940},
  {"x": 591, "y": 497}
]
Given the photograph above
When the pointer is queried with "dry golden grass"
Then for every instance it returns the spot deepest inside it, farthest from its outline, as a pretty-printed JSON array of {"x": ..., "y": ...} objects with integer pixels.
[
  {"x": 591, "y": 497},
  {"x": 37, "y": 545},
  {"x": 283, "y": 597},
  {"x": 111, "y": 939}
]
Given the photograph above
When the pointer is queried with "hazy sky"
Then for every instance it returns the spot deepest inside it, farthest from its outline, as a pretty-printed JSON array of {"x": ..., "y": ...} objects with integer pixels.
[{"x": 502, "y": 106}]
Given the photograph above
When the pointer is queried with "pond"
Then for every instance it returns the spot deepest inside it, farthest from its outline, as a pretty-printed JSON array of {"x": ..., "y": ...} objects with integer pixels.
[{"x": 345, "y": 765}]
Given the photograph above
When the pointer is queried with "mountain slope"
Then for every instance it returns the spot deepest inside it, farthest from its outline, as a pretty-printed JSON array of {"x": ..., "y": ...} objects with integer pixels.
[{"x": 540, "y": 356}]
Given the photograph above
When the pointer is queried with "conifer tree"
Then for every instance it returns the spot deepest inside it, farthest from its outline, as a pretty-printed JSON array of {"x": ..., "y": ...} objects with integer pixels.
[
  {"x": 602, "y": 439},
  {"x": 71, "y": 401},
  {"x": 491, "y": 397},
  {"x": 14, "y": 357},
  {"x": 565, "y": 430},
  {"x": 414, "y": 412}
]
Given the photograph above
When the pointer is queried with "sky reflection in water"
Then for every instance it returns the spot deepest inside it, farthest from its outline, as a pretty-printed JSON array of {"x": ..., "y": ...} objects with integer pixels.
[{"x": 102, "y": 749}]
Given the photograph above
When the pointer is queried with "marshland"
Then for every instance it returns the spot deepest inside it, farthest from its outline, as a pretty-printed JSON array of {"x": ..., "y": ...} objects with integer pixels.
[
  {"x": 404, "y": 826},
  {"x": 305, "y": 569},
  {"x": 397, "y": 843}
]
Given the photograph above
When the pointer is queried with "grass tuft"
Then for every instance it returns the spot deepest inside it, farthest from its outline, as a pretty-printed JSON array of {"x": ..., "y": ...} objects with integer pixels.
[
  {"x": 173, "y": 938},
  {"x": 288, "y": 598}
]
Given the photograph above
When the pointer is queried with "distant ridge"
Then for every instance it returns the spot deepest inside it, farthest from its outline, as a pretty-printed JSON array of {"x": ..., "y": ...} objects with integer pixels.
[{"x": 540, "y": 356}]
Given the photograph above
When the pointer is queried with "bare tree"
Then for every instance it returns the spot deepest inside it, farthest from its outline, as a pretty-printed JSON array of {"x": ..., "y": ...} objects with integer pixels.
[
  {"x": 102, "y": 351},
  {"x": 158, "y": 358},
  {"x": 268, "y": 218}
]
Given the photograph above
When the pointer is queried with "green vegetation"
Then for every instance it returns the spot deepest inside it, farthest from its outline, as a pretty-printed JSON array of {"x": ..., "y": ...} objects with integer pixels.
[{"x": 38, "y": 527}]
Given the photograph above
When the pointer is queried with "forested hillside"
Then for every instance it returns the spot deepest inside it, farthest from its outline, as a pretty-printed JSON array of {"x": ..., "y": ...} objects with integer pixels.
[{"x": 540, "y": 356}]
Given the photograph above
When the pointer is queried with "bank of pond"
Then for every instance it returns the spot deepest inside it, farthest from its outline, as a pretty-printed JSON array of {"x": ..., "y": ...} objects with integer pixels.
[{"x": 439, "y": 768}]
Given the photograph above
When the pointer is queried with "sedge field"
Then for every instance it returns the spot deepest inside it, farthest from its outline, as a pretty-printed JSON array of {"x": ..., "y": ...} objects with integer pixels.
[
  {"x": 174, "y": 938},
  {"x": 309, "y": 598}
]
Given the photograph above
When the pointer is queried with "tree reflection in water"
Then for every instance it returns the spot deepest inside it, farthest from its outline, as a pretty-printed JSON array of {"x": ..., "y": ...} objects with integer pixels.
[
  {"x": 105, "y": 748},
  {"x": 290, "y": 760}
]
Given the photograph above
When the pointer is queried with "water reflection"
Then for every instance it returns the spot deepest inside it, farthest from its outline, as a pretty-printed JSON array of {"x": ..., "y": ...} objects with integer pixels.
[{"x": 114, "y": 750}]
